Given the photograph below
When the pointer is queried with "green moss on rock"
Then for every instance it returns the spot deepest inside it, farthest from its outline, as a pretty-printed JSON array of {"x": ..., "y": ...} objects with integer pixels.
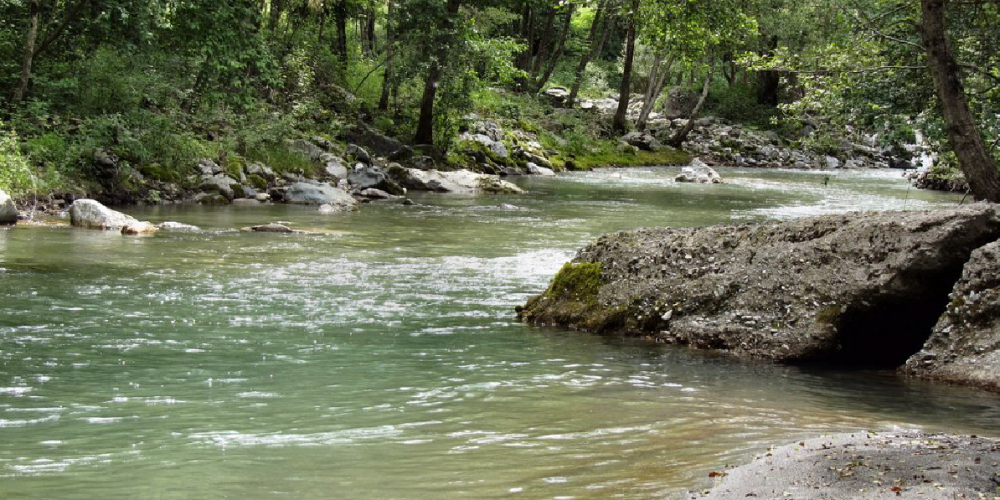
[{"x": 577, "y": 282}]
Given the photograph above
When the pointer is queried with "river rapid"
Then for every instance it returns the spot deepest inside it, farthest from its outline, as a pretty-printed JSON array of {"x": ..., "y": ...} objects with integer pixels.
[{"x": 380, "y": 359}]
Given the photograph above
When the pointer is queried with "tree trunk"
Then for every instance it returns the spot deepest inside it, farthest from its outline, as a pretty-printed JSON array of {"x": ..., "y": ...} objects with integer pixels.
[
  {"x": 29, "y": 54},
  {"x": 769, "y": 81},
  {"x": 657, "y": 79},
  {"x": 681, "y": 135},
  {"x": 543, "y": 45},
  {"x": 560, "y": 49},
  {"x": 340, "y": 17},
  {"x": 425, "y": 124},
  {"x": 595, "y": 42},
  {"x": 390, "y": 36},
  {"x": 620, "y": 124},
  {"x": 963, "y": 133}
]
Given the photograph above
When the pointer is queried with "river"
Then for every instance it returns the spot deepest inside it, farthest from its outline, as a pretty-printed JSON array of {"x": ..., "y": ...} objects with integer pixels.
[{"x": 380, "y": 358}]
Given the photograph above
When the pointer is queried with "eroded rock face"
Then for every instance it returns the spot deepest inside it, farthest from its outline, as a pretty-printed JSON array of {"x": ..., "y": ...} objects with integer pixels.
[
  {"x": 91, "y": 214},
  {"x": 965, "y": 344},
  {"x": 853, "y": 288},
  {"x": 8, "y": 212}
]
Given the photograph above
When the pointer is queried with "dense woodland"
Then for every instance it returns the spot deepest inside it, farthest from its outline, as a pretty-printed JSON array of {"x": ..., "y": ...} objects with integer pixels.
[{"x": 158, "y": 84}]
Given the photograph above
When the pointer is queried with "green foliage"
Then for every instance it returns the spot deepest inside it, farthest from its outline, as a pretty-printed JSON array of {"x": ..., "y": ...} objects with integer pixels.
[
  {"x": 16, "y": 176},
  {"x": 738, "y": 103}
]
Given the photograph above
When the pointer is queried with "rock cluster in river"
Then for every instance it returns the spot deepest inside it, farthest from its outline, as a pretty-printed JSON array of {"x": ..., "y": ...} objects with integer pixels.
[
  {"x": 90, "y": 214},
  {"x": 854, "y": 288}
]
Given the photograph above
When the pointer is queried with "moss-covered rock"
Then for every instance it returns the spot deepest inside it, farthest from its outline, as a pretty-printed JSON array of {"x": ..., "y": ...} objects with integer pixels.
[{"x": 257, "y": 182}]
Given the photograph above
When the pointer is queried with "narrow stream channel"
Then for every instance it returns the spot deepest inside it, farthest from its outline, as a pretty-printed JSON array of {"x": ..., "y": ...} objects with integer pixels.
[{"x": 381, "y": 360}]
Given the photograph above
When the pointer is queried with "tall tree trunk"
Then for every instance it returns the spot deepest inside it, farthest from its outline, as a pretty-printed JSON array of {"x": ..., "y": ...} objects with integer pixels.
[
  {"x": 595, "y": 43},
  {"x": 528, "y": 34},
  {"x": 425, "y": 124},
  {"x": 560, "y": 49},
  {"x": 963, "y": 133},
  {"x": 543, "y": 45},
  {"x": 340, "y": 18},
  {"x": 29, "y": 54},
  {"x": 769, "y": 82},
  {"x": 657, "y": 79},
  {"x": 681, "y": 135},
  {"x": 620, "y": 124},
  {"x": 390, "y": 36}
]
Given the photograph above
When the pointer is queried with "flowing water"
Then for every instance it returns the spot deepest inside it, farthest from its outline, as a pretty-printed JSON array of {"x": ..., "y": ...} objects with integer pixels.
[{"x": 380, "y": 359}]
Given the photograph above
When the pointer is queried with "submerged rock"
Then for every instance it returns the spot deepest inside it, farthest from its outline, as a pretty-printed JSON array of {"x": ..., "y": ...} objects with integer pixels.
[
  {"x": 862, "y": 288},
  {"x": 178, "y": 227},
  {"x": 91, "y": 214},
  {"x": 303, "y": 193},
  {"x": 269, "y": 228},
  {"x": 534, "y": 169},
  {"x": 8, "y": 212},
  {"x": 965, "y": 344},
  {"x": 140, "y": 229}
]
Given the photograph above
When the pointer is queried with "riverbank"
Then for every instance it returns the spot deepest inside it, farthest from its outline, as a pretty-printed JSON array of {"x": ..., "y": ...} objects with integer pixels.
[{"x": 868, "y": 466}]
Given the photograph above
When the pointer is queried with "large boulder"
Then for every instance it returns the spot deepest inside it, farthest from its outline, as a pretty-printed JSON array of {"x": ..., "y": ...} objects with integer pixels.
[
  {"x": 303, "y": 193},
  {"x": 224, "y": 185},
  {"x": 91, "y": 214},
  {"x": 681, "y": 101},
  {"x": 862, "y": 288},
  {"x": 965, "y": 344},
  {"x": 8, "y": 212},
  {"x": 699, "y": 173},
  {"x": 643, "y": 141},
  {"x": 459, "y": 181},
  {"x": 370, "y": 177},
  {"x": 376, "y": 142}
]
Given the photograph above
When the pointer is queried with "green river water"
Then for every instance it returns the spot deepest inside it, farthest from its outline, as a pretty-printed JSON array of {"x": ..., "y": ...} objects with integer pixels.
[{"x": 383, "y": 361}]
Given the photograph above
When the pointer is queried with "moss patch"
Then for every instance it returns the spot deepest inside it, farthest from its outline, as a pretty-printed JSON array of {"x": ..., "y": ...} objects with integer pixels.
[
  {"x": 579, "y": 282},
  {"x": 666, "y": 156}
]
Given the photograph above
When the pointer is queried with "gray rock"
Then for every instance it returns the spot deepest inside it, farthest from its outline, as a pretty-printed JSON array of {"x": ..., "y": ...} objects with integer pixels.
[
  {"x": 557, "y": 95},
  {"x": 534, "y": 169},
  {"x": 8, "y": 212},
  {"x": 140, "y": 229},
  {"x": 862, "y": 288},
  {"x": 376, "y": 194},
  {"x": 459, "y": 181},
  {"x": 91, "y": 214},
  {"x": 867, "y": 466},
  {"x": 643, "y": 141},
  {"x": 326, "y": 144},
  {"x": 495, "y": 147},
  {"x": 262, "y": 197},
  {"x": 307, "y": 149},
  {"x": 226, "y": 186},
  {"x": 369, "y": 177},
  {"x": 259, "y": 169},
  {"x": 319, "y": 194},
  {"x": 831, "y": 163},
  {"x": 965, "y": 344},
  {"x": 270, "y": 228},
  {"x": 208, "y": 167},
  {"x": 334, "y": 167},
  {"x": 178, "y": 227},
  {"x": 374, "y": 141},
  {"x": 359, "y": 154},
  {"x": 680, "y": 103},
  {"x": 699, "y": 173}
]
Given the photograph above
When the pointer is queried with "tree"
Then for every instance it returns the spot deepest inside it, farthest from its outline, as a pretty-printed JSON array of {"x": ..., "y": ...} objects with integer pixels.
[
  {"x": 595, "y": 44},
  {"x": 976, "y": 163},
  {"x": 620, "y": 125},
  {"x": 425, "y": 124}
]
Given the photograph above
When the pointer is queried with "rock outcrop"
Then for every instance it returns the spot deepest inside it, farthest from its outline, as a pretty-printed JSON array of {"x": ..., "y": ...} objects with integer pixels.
[
  {"x": 965, "y": 344},
  {"x": 91, "y": 214},
  {"x": 8, "y": 212},
  {"x": 867, "y": 466},
  {"x": 854, "y": 288},
  {"x": 304, "y": 193},
  {"x": 458, "y": 181}
]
